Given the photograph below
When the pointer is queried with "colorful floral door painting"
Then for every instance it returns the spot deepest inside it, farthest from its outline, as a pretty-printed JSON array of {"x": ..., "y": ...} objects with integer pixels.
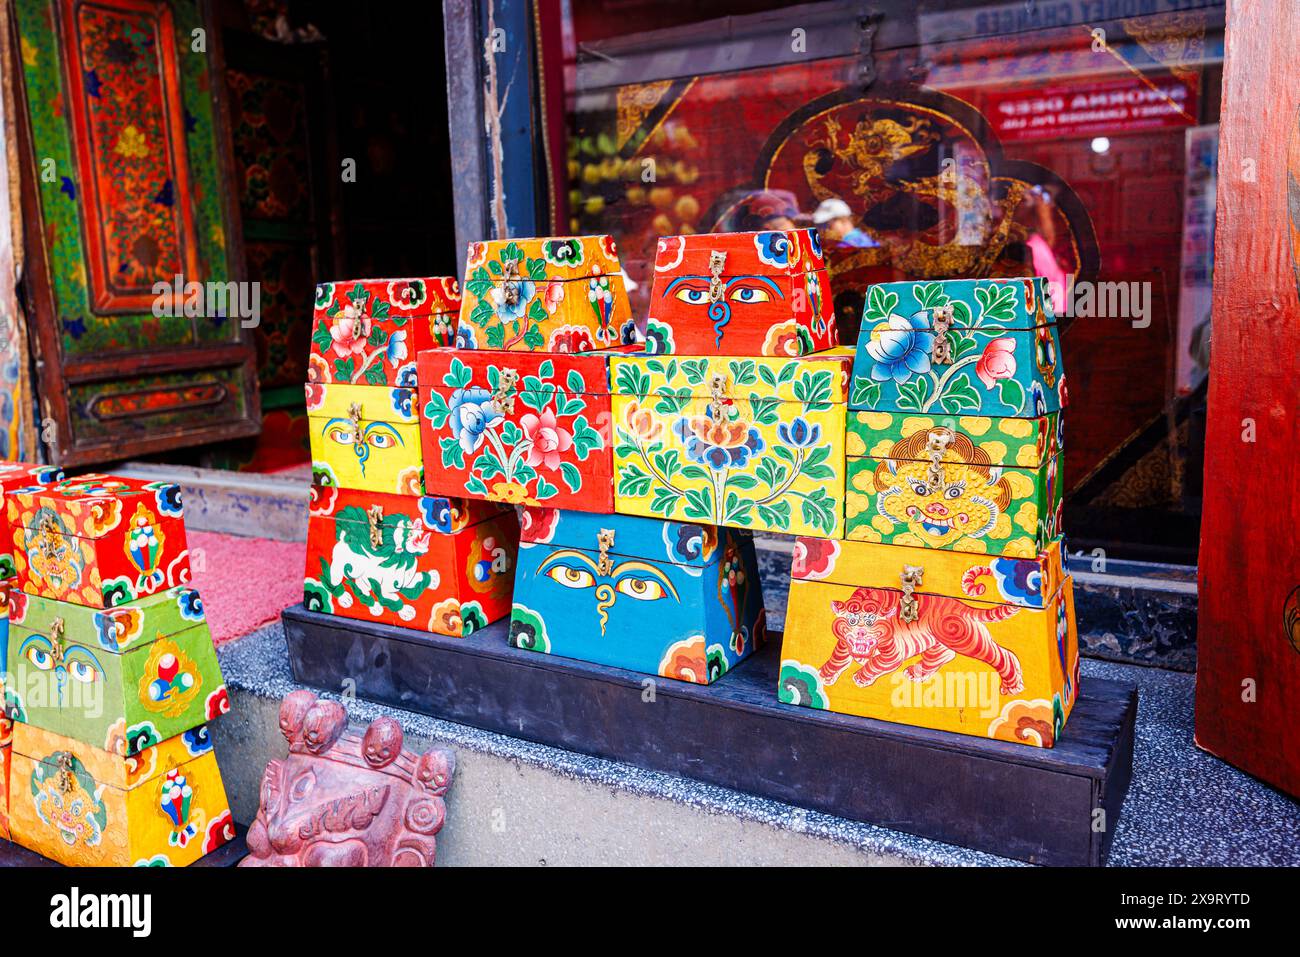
[
  {"x": 751, "y": 442},
  {"x": 517, "y": 428}
]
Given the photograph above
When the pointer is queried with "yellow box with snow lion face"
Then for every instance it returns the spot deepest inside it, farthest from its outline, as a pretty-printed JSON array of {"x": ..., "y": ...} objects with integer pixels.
[{"x": 979, "y": 645}]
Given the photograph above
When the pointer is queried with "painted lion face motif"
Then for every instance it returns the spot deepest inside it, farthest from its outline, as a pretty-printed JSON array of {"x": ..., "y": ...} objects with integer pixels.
[
  {"x": 65, "y": 802},
  {"x": 863, "y": 619},
  {"x": 963, "y": 499}
]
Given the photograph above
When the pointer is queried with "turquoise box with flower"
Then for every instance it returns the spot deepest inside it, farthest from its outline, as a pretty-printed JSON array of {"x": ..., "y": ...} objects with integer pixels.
[
  {"x": 987, "y": 347},
  {"x": 750, "y": 442},
  {"x": 674, "y": 599},
  {"x": 558, "y": 294}
]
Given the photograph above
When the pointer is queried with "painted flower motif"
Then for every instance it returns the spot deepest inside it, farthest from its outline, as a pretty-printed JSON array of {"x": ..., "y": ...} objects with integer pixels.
[
  {"x": 644, "y": 425},
  {"x": 570, "y": 339},
  {"x": 813, "y": 557},
  {"x": 217, "y": 704},
  {"x": 512, "y": 493},
  {"x": 783, "y": 339},
  {"x": 537, "y": 525},
  {"x": 436, "y": 512},
  {"x": 476, "y": 255},
  {"x": 658, "y": 338},
  {"x": 630, "y": 334},
  {"x": 775, "y": 249},
  {"x": 104, "y": 515},
  {"x": 465, "y": 337},
  {"x": 190, "y": 604},
  {"x": 1062, "y": 395},
  {"x": 349, "y": 332},
  {"x": 553, "y": 295},
  {"x": 689, "y": 542},
  {"x": 405, "y": 377},
  {"x": 510, "y": 311},
  {"x": 900, "y": 347},
  {"x": 686, "y": 661},
  {"x": 403, "y": 401},
  {"x": 609, "y": 247},
  {"x": 324, "y": 294},
  {"x": 315, "y": 392},
  {"x": 670, "y": 253},
  {"x": 799, "y": 434},
  {"x": 397, "y": 350},
  {"x": 131, "y": 143},
  {"x": 17, "y": 606},
  {"x": 318, "y": 370},
  {"x": 407, "y": 293},
  {"x": 221, "y": 830},
  {"x": 719, "y": 443},
  {"x": 998, "y": 361},
  {"x": 815, "y": 244},
  {"x": 472, "y": 412},
  {"x": 410, "y": 481},
  {"x": 1037, "y": 399},
  {"x": 548, "y": 440}
]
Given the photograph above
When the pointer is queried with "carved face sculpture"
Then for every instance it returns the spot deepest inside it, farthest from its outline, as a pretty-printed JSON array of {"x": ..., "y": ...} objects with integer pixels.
[{"x": 343, "y": 799}]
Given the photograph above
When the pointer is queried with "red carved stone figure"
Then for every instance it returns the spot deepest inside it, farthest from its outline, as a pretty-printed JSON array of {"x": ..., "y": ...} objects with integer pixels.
[{"x": 343, "y": 799}]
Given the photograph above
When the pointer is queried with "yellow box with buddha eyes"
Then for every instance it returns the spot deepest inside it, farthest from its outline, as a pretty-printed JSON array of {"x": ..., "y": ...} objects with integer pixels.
[
  {"x": 365, "y": 437},
  {"x": 989, "y": 485}
]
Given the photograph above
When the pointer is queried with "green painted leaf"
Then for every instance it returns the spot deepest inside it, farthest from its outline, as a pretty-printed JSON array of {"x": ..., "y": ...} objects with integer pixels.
[
  {"x": 633, "y": 480},
  {"x": 585, "y": 438},
  {"x": 453, "y": 456},
  {"x": 575, "y": 383},
  {"x": 344, "y": 370},
  {"x": 1012, "y": 393},
  {"x": 572, "y": 477},
  {"x": 664, "y": 501},
  {"x": 495, "y": 335}
]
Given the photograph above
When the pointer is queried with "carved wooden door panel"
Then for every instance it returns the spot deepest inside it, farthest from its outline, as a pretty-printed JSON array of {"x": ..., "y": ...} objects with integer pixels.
[{"x": 125, "y": 186}]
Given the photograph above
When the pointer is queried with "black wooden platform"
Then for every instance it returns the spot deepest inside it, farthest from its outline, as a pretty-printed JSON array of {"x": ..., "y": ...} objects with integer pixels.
[
  {"x": 227, "y": 855},
  {"x": 1027, "y": 803}
]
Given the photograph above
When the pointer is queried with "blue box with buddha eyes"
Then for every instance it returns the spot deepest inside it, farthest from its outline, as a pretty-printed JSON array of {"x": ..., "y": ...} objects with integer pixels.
[{"x": 673, "y": 599}]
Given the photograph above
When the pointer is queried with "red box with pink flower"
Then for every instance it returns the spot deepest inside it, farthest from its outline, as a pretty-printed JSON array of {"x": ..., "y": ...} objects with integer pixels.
[
  {"x": 517, "y": 427},
  {"x": 741, "y": 294},
  {"x": 369, "y": 331}
]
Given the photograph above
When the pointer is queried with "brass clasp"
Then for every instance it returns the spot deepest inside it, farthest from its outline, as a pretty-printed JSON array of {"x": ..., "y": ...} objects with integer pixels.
[
  {"x": 503, "y": 399},
  {"x": 718, "y": 390},
  {"x": 911, "y": 579},
  {"x": 940, "y": 322},
  {"x": 375, "y": 516},
  {"x": 510, "y": 281},
  {"x": 354, "y": 416},
  {"x": 66, "y": 782},
  {"x": 936, "y": 443},
  {"x": 717, "y": 262},
  {"x": 605, "y": 539}
]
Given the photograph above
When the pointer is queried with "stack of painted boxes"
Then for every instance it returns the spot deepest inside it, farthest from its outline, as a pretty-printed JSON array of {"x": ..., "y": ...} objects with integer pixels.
[
  {"x": 112, "y": 677},
  {"x": 643, "y": 455},
  {"x": 378, "y": 547},
  {"x": 947, "y": 606}
]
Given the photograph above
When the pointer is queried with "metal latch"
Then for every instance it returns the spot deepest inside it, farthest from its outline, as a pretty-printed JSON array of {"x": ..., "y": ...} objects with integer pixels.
[
  {"x": 605, "y": 539},
  {"x": 718, "y": 389},
  {"x": 940, "y": 322},
  {"x": 354, "y": 415},
  {"x": 510, "y": 281},
  {"x": 911, "y": 578},
  {"x": 717, "y": 262},
  {"x": 375, "y": 516},
  {"x": 936, "y": 444}
]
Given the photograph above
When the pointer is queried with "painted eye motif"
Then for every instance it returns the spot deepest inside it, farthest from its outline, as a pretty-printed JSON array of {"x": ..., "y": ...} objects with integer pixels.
[
  {"x": 921, "y": 489},
  {"x": 571, "y": 577},
  {"x": 643, "y": 589},
  {"x": 82, "y": 671},
  {"x": 750, "y": 294},
  {"x": 953, "y": 491},
  {"x": 41, "y": 658},
  {"x": 380, "y": 440},
  {"x": 693, "y": 296},
  {"x": 342, "y": 436}
]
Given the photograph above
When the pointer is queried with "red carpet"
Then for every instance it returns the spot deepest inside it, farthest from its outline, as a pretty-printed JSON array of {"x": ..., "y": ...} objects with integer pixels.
[{"x": 245, "y": 582}]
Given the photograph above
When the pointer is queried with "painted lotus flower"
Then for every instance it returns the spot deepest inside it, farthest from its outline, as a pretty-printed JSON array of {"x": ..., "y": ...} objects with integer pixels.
[
  {"x": 814, "y": 557},
  {"x": 998, "y": 361},
  {"x": 644, "y": 425},
  {"x": 465, "y": 337},
  {"x": 783, "y": 339},
  {"x": 799, "y": 434},
  {"x": 397, "y": 350},
  {"x": 553, "y": 296},
  {"x": 900, "y": 348},
  {"x": 350, "y": 330},
  {"x": 547, "y": 440},
  {"x": 318, "y": 370},
  {"x": 472, "y": 412},
  {"x": 571, "y": 339},
  {"x": 538, "y": 524},
  {"x": 510, "y": 311},
  {"x": 719, "y": 443}
]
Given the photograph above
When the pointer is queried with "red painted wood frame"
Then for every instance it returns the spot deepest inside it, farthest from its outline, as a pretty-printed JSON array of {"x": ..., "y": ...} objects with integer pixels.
[{"x": 1248, "y": 667}]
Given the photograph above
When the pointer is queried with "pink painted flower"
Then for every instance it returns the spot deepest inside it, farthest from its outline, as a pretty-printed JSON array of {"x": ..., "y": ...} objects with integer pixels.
[
  {"x": 548, "y": 440},
  {"x": 997, "y": 362},
  {"x": 350, "y": 330},
  {"x": 554, "y": 296}
]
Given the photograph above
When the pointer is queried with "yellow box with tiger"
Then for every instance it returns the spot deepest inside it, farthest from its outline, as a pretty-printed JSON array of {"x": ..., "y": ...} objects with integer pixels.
[{"x": 977, "y": 644}]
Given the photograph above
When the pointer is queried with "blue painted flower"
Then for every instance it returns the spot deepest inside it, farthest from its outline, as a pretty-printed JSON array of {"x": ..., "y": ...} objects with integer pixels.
[
  {"x": 472, "y": 412},
  {"x": 465, "y": 337},
  {"x": 629, "y": 334},
  {"x": 397, "y": 350},
  {"x": 815, "y": 242},
  {"x": 403, "y": 401},
  {"x": 436, "y": 513},
  {"x": 197, "y": 740},
  {"x": 190, "y": 604},
  {"x": 900, "y": 347},
  {"x": 168, "y": 497},
  {"x": 799, "y": 434},
  {"x": 774, "y": 248},
  {"x": 508, "y": 311},
  {"x": 658, "y": 338},
  {"x": 405, "y": 376},
  {"x": 719, "y": 443},
  {"x": 1037, "y": 398}
]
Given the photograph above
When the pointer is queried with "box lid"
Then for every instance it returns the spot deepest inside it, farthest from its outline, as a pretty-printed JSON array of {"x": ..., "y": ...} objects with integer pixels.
[
  {"x": 18, "y": 474},
  {"x": 117, "y": 629},
  {"x": 1005, "y": 580},
  {"x": 986, "y": 304},
  {"x": 626, "y": 536},
  {"x": 388, "y": 298},
  {"x": 537, "y": 260},
  {"x": 91, "y": 766},
  {"x": 92, "y": 506},
  {"x": 350, "y": 404},
  {"x": 440, "y": 514},
  {"x": 818, "y": 381},
  {"x": 973, "y": 440},
  {"x": 499, "y": 372},
  {"x": 772, "y": 252}
]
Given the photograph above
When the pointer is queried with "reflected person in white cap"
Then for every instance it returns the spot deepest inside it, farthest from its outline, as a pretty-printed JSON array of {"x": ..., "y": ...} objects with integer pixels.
[{"x": 834, "y": 220}]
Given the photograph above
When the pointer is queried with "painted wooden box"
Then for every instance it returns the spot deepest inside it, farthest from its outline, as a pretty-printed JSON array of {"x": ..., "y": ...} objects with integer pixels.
[
  {"x": 369, "y": 331},
  {"x": 751, "y": 442},
  {"x": 968, "y": 483},
  {"x": 423, "y": 562},
  {"x": 82, "y": 806},
  {"x": 945, "y": 640},
  {"x": 960, "y": 346},
  {"x": 6, "y": 758},
  {"x": 741, "y": 294},
  {"x": 98, "y": 540},
  {"x": 516, "y": 427},
  {"x": 543, "y": 295},
  {"x": 122, "y": 678},
  {"x": 365, "y": 437},
  {"x": 15, "y": 475},
  {"x": 672, "y": 599}
]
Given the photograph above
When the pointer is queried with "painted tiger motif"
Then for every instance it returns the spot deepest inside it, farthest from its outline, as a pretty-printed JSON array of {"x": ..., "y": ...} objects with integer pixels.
[{"x": 869, "y": 631}]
